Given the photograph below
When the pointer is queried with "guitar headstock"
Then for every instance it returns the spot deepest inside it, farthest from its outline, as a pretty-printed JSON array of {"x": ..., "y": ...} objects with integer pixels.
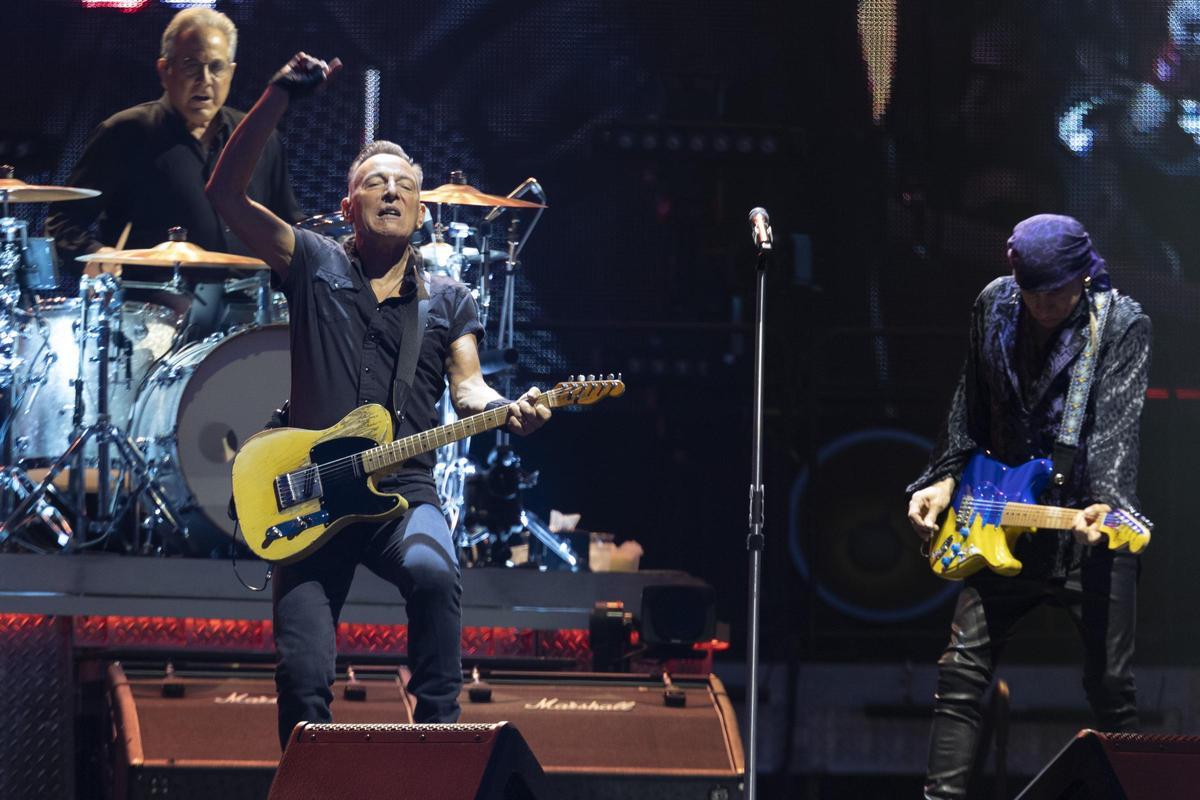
[
  {"x": 1127, "y": 528},
  {"x": 580, "y": 390}
]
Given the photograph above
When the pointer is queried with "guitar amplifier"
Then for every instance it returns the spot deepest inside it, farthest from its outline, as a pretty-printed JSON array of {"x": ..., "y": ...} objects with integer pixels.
[
  {"x": 606, "y": 735},
  {"x": 212, "y": 736},
  {"x": 595, "y": 735}
]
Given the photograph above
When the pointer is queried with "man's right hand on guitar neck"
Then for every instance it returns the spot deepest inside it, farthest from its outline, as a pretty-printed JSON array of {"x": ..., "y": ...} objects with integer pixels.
[{"x": 926, "y": 505}]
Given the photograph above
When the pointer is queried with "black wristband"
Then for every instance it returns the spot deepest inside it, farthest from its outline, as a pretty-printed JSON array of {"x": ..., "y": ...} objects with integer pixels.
[
  {"x": 300, "y": 77},
  {"x": 494, "y": 404}
]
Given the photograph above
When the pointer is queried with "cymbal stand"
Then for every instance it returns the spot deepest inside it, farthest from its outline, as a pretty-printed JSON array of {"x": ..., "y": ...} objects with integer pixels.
[
  {"x": 266, "y": 308},
  {"x": 111, "y": 503},
  {"x": 454, "y": 465},
  {"x": 506, "y": 339},
  {"x": 260, "y": 284}
]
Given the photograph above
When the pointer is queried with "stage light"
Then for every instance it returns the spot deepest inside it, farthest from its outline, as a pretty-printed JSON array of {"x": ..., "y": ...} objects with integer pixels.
[
  {"x": 650, "y": 138},
  {"x": 1073, "y": 130},
  {"x": 124, "y": 6},
  {"x": 371, "y": 91}
]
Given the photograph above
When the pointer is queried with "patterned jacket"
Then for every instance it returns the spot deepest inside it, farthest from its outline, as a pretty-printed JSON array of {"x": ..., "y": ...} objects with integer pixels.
[{"x": 993, "y": 411}]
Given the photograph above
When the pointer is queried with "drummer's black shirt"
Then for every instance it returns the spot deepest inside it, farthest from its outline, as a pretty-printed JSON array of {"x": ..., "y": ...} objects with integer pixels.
[
  {"x": 345, "y": 345},
  {"x": 151, "y": 171}
]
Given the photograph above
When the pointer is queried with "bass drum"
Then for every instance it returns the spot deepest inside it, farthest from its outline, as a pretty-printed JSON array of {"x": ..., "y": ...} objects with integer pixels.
[{"x": 196, "y": 409}]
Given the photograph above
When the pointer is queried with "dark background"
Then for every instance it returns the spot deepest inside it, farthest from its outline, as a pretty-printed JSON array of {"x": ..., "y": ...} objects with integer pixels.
[{"x": 655, "y": 126}]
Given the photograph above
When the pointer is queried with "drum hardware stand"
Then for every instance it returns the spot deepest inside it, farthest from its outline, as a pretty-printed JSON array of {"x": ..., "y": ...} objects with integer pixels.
[
  {"x": 15, "y": 483},
  {"x": 106, "y": 290},
  {"x": 555, "y": 545},
  {"x": 264, "y": 313}
]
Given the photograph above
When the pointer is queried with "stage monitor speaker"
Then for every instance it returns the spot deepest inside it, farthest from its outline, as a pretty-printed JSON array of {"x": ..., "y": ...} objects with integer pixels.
[
  {"x": 408, "y": 762},
  {"x": 1120, "y": 766},
  {"x": 213, "y": 735},
  {"x": 613, "y": 735}
]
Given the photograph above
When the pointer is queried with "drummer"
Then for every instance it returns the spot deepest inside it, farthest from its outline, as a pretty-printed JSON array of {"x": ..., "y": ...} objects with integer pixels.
[{"x": 151, "y": 162}]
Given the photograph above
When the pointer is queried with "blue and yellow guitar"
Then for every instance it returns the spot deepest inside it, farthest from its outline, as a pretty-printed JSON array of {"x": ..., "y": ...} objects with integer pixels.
[{"x": 995, "y": 503}]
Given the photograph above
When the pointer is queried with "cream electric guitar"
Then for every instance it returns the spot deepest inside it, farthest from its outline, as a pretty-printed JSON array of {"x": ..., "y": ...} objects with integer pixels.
[{"x": 295, "y": 488}]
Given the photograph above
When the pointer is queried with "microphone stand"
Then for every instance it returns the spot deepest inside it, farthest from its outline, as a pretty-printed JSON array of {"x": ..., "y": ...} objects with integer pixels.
[{"x": 755, "y": 541}]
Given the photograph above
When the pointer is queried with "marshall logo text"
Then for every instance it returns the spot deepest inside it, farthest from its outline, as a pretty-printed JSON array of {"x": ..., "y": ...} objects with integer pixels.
[
  {"x": 554, "y": 704},
  {"x": 245, "y": 699}
]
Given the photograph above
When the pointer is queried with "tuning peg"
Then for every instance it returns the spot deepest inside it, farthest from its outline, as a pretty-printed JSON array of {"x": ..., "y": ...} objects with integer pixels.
[
  {"x": 570, "y": 378},
  {"x": 591, "y": 377},
  {"x": 610, "y": 377}
]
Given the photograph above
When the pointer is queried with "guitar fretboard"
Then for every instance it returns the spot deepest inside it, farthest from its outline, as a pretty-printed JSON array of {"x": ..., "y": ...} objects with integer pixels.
[
  {"x": 1026, "y": 515},
  {"x": 394, "y": 453}
]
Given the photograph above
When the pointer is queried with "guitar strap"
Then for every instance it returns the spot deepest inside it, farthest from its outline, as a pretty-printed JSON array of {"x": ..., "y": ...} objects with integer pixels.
[
  {"x": 1067, "y": 442},
  {"x": 410, "y": 350}
]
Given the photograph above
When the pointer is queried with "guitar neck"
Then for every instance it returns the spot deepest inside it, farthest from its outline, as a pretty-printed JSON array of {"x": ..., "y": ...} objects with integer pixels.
[
  {"x": 1025, "y": 515},
  {"x": 388, "y": 456}
]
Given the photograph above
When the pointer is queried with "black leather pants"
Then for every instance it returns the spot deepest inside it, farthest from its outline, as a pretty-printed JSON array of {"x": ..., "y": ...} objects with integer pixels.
[{"x": 1100, "y": 596}]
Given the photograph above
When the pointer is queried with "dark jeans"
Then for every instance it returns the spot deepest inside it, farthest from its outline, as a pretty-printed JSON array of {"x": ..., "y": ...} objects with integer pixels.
[
  {"x": 1100, "y": 596},
  {"x": 415, "y": 553}
]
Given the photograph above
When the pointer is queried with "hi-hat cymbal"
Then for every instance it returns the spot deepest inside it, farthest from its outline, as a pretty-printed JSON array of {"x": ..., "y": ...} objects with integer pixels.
[
  {"x": 19, "y": 191},
  {"x": 461, "y": 194},
  {"x": 171, "y": 254}
]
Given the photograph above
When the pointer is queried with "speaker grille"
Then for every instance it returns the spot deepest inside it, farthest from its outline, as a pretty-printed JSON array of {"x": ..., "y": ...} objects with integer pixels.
[{"x": 414, "y": 727}]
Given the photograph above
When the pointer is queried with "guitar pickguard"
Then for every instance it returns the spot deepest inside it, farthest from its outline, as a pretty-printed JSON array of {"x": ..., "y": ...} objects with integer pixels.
[{"x": 345, "y": 490}]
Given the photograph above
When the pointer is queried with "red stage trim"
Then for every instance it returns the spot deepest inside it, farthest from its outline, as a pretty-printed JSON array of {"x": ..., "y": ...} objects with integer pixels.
[{"x": 352, "y": 638}]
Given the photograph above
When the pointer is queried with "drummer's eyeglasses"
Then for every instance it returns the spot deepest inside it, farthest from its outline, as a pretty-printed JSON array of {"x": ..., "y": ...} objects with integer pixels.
[{"x": 194, "y": 70}]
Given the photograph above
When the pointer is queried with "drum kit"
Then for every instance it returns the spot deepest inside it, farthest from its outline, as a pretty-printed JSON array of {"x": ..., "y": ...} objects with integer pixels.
[{"x": 118, "y": 431}]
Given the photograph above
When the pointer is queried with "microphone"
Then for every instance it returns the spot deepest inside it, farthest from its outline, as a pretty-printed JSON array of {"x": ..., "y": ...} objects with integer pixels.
[
  {"x": 530, "y": 184},
  {"x": 760, "y": 229}
]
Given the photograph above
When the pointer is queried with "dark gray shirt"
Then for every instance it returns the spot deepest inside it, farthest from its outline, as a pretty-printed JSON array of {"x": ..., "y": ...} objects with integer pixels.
[
  {"x": 151, "y": 172},
  {"x": 345, "y": 345}
]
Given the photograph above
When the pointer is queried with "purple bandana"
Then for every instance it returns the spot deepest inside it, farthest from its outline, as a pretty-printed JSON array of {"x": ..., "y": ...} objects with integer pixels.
[{"x": 1048, "y": 251}]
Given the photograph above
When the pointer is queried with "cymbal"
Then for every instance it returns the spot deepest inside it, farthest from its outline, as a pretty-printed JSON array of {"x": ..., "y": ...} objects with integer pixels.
[
  {"x": 461, "y": 194},
  {"x": 19, "y": 191},
  {"x": 170, "y": 254}
]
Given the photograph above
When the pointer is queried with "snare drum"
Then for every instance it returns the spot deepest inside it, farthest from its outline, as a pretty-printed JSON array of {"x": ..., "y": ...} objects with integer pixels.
[
  {"x": 48, "y": 349},
  {"x": 196, "y": 409}
]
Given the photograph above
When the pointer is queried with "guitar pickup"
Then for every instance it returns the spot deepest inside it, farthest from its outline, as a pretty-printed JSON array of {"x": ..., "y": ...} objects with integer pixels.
[
  {"x": 294, "y": 527},
  {"x": 294, "y": 488}
]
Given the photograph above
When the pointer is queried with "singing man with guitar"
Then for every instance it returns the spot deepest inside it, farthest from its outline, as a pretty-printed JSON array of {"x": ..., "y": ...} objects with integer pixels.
[
  {"x": 369, "y": 331},
  {"x": 1030, "y": 492}
]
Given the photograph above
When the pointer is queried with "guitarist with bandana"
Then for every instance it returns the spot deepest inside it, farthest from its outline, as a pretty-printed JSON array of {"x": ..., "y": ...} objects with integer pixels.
[{"x": 1028, "y": 333}]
